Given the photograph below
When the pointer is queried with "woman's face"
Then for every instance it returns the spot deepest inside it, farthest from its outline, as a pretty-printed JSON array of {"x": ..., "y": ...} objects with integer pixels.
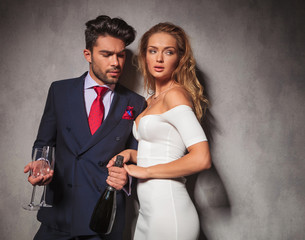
[{"x": 162, "y": 55}]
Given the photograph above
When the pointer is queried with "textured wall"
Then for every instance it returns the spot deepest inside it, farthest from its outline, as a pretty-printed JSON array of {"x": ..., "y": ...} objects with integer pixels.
[{"x": 250, "y": 55}]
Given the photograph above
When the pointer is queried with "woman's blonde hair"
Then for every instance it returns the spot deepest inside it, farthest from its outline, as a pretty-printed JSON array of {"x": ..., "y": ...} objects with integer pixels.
[{"x": 184, "y": 74}]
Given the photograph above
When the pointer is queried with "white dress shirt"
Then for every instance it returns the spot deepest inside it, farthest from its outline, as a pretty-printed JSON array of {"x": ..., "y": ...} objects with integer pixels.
[{"x": 90, "y": 94}]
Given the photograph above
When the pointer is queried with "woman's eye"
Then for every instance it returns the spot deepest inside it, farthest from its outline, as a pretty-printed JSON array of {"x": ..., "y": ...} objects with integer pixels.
[
  {"x": 169, "y": 52},
  {"x": 152, "y": 51}
]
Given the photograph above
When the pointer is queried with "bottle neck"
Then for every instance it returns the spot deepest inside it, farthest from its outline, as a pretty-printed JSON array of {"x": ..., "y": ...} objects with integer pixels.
[{"x": 111, "y": 188}]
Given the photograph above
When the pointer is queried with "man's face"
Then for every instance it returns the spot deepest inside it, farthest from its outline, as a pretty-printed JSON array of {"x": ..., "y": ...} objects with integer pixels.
[{"x": 106, "y": 59}]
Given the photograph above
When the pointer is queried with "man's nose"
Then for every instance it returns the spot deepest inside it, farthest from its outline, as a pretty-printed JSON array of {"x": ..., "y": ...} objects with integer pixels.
[{"x": 114, "y": 60}]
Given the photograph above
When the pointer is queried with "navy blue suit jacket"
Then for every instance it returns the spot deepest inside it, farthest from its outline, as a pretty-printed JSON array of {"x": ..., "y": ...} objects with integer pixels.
[{"x": 80, "y": 167}]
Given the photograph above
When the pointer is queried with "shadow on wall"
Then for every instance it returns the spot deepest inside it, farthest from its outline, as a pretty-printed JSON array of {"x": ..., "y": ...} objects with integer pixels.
[
  {"x": 209, "y": 122},
  {"x": 130, "y": 77},
  {"x": 206, "y": 188}
]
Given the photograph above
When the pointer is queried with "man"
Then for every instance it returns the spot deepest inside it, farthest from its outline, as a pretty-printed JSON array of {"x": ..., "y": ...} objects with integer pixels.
[{"x": 83, "y": 144}]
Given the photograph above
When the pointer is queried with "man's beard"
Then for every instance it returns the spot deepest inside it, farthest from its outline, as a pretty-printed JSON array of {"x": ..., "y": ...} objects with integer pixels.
[{"x": 103, "y": 76}]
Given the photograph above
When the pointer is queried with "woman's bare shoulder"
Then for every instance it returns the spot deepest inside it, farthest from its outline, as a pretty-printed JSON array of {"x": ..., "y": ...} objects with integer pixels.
[{"x": 177, "y": 96}]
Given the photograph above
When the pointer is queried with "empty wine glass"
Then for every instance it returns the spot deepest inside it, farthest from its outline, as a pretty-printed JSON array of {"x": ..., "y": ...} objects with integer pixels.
[
  {"x": 46, "y": 165},
  {"x": 37, "y": 155}
]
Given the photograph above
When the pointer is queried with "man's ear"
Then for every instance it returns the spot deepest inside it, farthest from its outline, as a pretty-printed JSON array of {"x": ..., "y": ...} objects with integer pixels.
[{"x": 87, "y": 55}]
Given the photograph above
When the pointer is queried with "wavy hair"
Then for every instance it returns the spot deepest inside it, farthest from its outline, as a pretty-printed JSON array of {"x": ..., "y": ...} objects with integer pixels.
[{"x": 184, "y": 74}]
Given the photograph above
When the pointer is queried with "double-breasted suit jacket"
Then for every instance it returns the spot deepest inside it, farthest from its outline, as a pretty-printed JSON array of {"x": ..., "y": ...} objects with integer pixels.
[{"x": 81, "y": 158}]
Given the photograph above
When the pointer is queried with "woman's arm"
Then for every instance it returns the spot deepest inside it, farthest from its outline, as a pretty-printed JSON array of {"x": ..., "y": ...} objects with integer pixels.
[{"x": 195, "y": 161}]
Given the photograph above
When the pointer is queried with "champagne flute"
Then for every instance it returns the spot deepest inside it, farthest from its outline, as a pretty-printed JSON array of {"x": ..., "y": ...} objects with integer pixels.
[
  {"x": 37, "y": 154},
  {"x": 46, "y": 166}
]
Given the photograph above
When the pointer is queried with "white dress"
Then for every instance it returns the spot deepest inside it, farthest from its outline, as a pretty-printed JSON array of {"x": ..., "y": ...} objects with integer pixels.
[{"x": 166, "y": 210}]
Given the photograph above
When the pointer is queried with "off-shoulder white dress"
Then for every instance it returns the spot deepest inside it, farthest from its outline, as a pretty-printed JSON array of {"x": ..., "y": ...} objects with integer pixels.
[{"x": 166, "y": 210}]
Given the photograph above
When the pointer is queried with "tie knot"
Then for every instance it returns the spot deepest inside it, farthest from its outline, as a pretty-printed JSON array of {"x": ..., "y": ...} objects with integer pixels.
[{"x": 100, "y": 91}]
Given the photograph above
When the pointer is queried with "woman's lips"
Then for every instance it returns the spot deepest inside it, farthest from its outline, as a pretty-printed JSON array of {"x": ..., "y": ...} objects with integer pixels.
[{"x": 158, "y": 68}]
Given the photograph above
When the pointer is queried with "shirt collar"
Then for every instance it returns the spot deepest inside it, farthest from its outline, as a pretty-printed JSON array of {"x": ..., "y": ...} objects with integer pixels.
[{"x": 90, "y": 83}]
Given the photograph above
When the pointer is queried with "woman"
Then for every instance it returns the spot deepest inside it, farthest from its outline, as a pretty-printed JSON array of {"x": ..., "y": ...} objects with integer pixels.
[{"x": 172, "y": 143}]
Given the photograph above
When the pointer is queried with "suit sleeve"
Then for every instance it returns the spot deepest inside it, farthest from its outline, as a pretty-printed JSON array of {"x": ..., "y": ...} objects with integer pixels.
[{"x": 47, "y": 128}]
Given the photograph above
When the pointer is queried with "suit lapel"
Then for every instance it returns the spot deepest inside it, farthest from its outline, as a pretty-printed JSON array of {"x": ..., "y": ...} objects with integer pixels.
[
  {"x": 78, "y": 121},
  {"x": 116, "y": 111}
]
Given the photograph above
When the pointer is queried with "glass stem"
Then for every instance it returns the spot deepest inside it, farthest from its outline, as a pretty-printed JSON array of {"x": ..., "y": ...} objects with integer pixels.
[
  {"x": 44, "y": 193},
  {"x": 33, "y": 195}
]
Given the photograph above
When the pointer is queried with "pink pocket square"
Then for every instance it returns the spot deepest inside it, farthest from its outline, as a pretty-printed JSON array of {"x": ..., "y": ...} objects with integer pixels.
[{"x": 128, "y": 114}]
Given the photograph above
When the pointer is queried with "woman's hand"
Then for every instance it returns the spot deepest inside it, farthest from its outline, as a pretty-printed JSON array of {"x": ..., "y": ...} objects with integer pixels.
[
  {"x": 118, "y": 177},
  {"x": 126, "y": 154},
  {"x": 130, "y": 155},
  {"x": 136, "y": 171}
]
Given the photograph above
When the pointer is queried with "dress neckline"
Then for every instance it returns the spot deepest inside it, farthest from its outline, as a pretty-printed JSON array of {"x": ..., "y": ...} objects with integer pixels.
[{"x": 160, "y": 114}]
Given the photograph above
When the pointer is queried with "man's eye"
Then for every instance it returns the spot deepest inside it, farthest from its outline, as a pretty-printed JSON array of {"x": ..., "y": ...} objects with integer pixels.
[
  {"x": 121, "y": 55},
  {"x": 106, "y": 54}
]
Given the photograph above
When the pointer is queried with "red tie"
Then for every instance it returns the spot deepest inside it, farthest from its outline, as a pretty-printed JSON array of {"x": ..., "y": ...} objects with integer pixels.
[{"x": 97, "y": 110}]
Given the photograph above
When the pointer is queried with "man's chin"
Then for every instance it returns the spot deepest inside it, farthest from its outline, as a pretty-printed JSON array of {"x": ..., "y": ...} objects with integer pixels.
[{"x": 111, "y": 81}]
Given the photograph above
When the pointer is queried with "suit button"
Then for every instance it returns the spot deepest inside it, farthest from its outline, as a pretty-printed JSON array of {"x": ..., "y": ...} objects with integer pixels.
[
  {"x": 101, "y": 164},
  {"x": 69, "y": 185}
]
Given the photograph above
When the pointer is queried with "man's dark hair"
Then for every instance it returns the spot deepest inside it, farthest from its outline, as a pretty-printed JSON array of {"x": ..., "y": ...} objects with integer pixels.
[{"x": 103, "y": 26}]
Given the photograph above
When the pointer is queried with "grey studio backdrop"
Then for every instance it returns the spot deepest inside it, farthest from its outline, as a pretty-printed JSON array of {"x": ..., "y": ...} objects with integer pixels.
[{"x": 250, "y": 57}]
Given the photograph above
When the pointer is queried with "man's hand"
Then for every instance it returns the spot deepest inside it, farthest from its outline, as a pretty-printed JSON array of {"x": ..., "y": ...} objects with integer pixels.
[
  {"x": 36, "y": 179},
  {"x": 117, "y": 177}
]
